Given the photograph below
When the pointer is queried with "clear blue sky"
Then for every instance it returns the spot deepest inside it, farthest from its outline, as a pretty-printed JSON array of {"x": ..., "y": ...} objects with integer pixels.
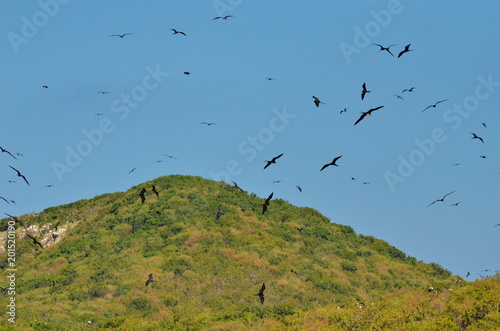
[{"x": 321, "y": 48}]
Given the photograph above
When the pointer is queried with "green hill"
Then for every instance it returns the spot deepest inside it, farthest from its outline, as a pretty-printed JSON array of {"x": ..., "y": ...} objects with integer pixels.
[{"x": 207, "y": 271}]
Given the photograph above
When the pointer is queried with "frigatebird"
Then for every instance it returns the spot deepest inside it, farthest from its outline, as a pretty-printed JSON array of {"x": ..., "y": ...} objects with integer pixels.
[
  {"x": 434, "y": 105},
  {"x": 236, "y": 185},
  {"x": 132, "y": 170},
  {"x": 45, "y": 86},
  {"x": 170, "y": 156},
  {"x": 220, "y": 212},
  {"x": 142, "y": 195},
  {"x": 364, "y": 91},
  {"x": 269, "y": 78},
  {"x": 261, "y": 293},
  {"x": 317, "y": 101},
  {"x": 442, "y": 199},
  {"x": 299, "y": 188},
  {"x": 187, "y": 73},
  {"x": 382, "y": 48},
  {"x": 407, "y": 49},
  {"x": 222, "y": 17},
  {"x": 153, "y": 188},
  {"x": 266, "y": 203},
  {"x": 121, "y": 35},
  {"x": 273, "y": 160},
  {"x": 17, "y": 221},
  {"x": 6, "y": 151},
  {"x": 484, "y": 124},
  {"x": 398, "y": 96},
  {"x": 455, "y": 204},
  {"x": 343, "y": 110},
  {"x": 208, "y": 123},
  {"x": 34, "y": 240},
  {"x": 5, "y": 200},
  {"x": 150, "y": 279},
  {"x": 178, "y": 32},
  {"x": 20, "y": 175},
  {"x": 367, "y": 113},
  {"x": 477, "y": 137},
  {"x": 408, "y": 90},
  {"x": 331, "y": 163},
  {"x": 103, "y": 92}
]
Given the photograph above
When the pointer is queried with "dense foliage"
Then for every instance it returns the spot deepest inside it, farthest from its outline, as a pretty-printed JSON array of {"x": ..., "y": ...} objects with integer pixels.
[{"x": 207, "y": 271}]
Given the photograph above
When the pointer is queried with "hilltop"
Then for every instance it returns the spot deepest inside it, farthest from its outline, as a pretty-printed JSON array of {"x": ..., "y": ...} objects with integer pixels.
[{"x": 207, "y": 271}]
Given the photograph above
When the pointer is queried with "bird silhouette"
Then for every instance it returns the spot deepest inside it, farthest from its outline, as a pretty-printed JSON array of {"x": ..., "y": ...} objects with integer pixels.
[
  {"x": 6, "y": 151},
  {"x": 121, "y": 35},
  {"x": 477, "y": 137},
  {"x": 236, "y": 185},
  {"x": 299, "y": 188},
  {"x": 222, "y": 17},
  {"x": 220, "y": 212},
  {"x": 408, "y": 90},
  {"x": 468, "y": 274},
  {"x": 269, "y": 78},
  {"x": 266, "y": 203},
  {"x": 50, "y": 185},
  {"x": 170, "y": 156},
  {"x": 178, "y": 32},
  {"x": 20, "y": 175},
  {"x": 5, "y": 200},
  {"x": 208, "y": 123},
  {"x": 482, "y": 156},
  {"x": 364, "y": 91},
  {"x": 434, "y": 105},
  {"x": 57, "y": 226},
  {"x": 103, "y": 92},
  {"x": 455, "y": 204},
  {"x": 331, "y": 163},
  {"x": 317, "y": 101},
  {"x": 131, "y": 171},
  {"x": 277, "y": 181},
  {"x": 142, "y": 195},
  {"x": 273, "y": 160},
  {"x": 17, "y": 221},
  {"x": 456, "y": 164},
  {"x": 442, "y": 199},
  {"x": 45, "y": 86},
  {"x": 187, "y": 73},
  {"x": 406, "y": 50},
  {"x": 484, "y": 124},
  {"x": 153, "y": 188},
  {"x": 150, "y": 279},
  {"x": 343, "y": 110},
  {"x": 398, "y": 96},
  {"x": 34, "y": 240},
  {"x": 261, "y": 293},
  {"x": 367, "y": 113},
  {"x": 382, "y": 48}
]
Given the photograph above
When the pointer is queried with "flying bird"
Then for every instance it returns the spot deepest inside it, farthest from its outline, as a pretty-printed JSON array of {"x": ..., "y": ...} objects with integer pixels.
[
  {"x": 220, "y": 212},
  {"x": 277, "y": 181},
  {"x": 57, "y": 225},
  {"x": 222, "y": 17},
  {"x": 468, "y": 274},
  {"x": 17, "y": 221},
  {"x": 317, "y": 101},
  {"x": 484, "y": 125},
  {"x": 364, "y": 91},
  {"x": 103, "y": 92},
  {"x": 141, "y": 194},
  {"x": 34, "y": 240},
  {"x": 331, "y": 163},
  {"x": 442, "y": 199},
  {"x": 456, "y": 164},
  {"x": 408, "y": 90},
  {"x": 6, "y": 151},
  {"x": 45, "y": 86},
  {"x": 343, "y": 110},
  {"x": 434, "y": 105},
  {"x": 273, "y": 160},
  {"x": 208, "y": 123},
  {"x": 20, "y": 175},
  {"x": 121, "y": 35},
  {"x": 150, "y": 279},
  {"x": 382, "y": 48},
  {"x": 398, "y": 96},
  {"x": 5, "y": 200},
  {"x": 153, "y": 188},
  {"x": 266, "y": 203},
  {"x": 131, "y": 171},
  {"x": 482, "y": 156},
  {"x": 178, "y": 32},
  {"x": 170, "y": 156},
  {"x": 367, "y": 113},
  {"x": 261, "y": 293},
  {"x": 187, "y": 73},
  {"x": 455, "y": 204},
  {"x": 236, "y": 186},
  {"x": 406, "y": 50},
  {"x": 269, "y": 78},
  {"x": 99, "y": 114},
  {"x": 299, "y": 188},
  {"x": 477, "y": 137},
  {"x": 19, "y": 154}
]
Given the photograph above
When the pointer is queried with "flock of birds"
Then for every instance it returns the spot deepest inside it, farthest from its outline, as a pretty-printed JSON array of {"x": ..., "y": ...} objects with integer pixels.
[{"x": 266, "y": 203}]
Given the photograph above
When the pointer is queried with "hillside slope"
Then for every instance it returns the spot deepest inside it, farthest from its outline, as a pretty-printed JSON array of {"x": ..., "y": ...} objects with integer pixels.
[{"x": 207, "y": 271}]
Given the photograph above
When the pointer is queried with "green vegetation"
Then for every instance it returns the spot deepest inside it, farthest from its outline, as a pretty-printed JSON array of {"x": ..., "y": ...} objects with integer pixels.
[{"x": 207, "y": 271}]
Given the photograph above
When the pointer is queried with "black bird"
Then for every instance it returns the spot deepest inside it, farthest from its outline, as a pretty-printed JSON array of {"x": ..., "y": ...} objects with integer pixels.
[
  {"x": 266, "y": 203},
  {"x": 484, "y": 125},
  {"x": 273, "y": 160},
  {"x": 141, "y": 194},
  {"x": 178, "y": 32},
  {"x": 11, "y": 181},
  {"x": 103, "y": 92},
  {"x": 57, "y": 225},
  {"x": 482, "y": 156},
  {"x": 382, "y": 48},
  {"x": 121, "y": 35},
  {"x": 17, "y": 221},
  {"x": 261, "y": 293},
  {"x": 367, "y": 113},
  {"x": 477, "y": 137},
  {"x": 317, "y": 101},
  {"x": 269, "y": 78},
  {"x": 6, "y": 151},
  {"x": 331, "y": 163},
  {"x": 170, "y": 156},
  {"x": 34, "y": 240},
  {"x": 5, "y": 200},
  {"x": 131, "y": 171},
  {"x": 468, "y": 274},
  {"x": 150, "y": 279},
  {"x": 236, "y": 185},
  {"x": 408, "y": 90},
  {"x": 20, "y": 175},
  {"x": 407, "y": 49},
  {"x": 222, "y": 17},
  {"x": 50, "y": 185},
  {"x": 496, "y": 225},
  {"x": 19, "y": 154},
  {"x": 159, "y": 161},
  {"x": 220, "y": 212},
  {"x": 45, "y": 86},
  {"x": 187, "y": 73},
  {"x": 299, "y": 229},
  {"x": 364, "y": 91},
  {"x": 456, "y": 204},
  {"x": 299, "y": 188},
  {"x": 456, "y": 164},
  {"x": 277, "y": 181},
  {"x": 434, "y": 105},
  {"x": 99, "y": 114},
  {"x": 442, "y": 199},
  {"x": 153, "y": 188},
  {"x": 208, "y": 123},
  {"x": 343, "y": 110},
  {"x": 398, "y": 96}
]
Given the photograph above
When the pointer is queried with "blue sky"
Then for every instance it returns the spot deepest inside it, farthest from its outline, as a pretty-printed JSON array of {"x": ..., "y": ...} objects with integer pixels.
[{"x": 321, "y": 48}]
